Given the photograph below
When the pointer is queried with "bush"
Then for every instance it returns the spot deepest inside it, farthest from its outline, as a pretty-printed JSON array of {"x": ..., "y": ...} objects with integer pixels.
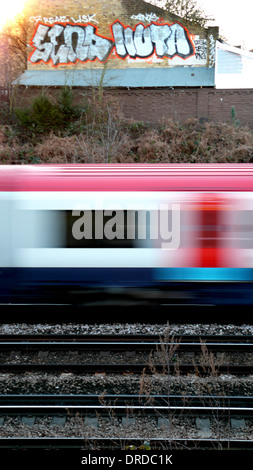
[
  {"x": 6, "y": 117},
  {"x": 59, "y": 132},
  {"x": 65, "y": 104},
  {"x": 42, "y": 117}
]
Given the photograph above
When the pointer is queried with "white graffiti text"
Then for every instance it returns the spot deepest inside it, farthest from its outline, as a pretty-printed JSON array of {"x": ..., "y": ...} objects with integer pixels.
[
  {"x": 145, "y": 17},
  {"x": 64, "y": 19},
  {"x": 67, "y": 43},
  {"x": 166, "y": 40}
]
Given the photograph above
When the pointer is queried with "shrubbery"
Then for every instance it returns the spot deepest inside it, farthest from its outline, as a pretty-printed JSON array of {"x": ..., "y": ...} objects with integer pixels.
[
  {"x": 44, "y": 116},
  {"x": 96, "y": 131}
]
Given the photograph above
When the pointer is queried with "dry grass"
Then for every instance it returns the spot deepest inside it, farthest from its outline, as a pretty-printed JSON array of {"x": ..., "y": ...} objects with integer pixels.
[{"x": 115, "y": 140}]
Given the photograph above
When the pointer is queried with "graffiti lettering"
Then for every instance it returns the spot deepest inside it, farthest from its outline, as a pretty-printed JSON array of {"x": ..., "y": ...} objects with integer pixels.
[
  {"x": 136, "y": 43},
  {"x": 84, "y": 19},
  {"x": 212, "y": 49},
  {"x": 145, "y": 17},
  {"x": 79, "y": 43},
  {"x": 168, "y": 41},
  {"x": 64, "y": 19},
  {"x": 200, "y": 48},
  {"x": 63, "y": 43}
]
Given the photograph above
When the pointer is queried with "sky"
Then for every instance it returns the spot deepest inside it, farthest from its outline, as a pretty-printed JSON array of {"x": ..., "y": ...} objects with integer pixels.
[
  {"x": 234, "y": 18},
  {"x": 9, "y": 9}
]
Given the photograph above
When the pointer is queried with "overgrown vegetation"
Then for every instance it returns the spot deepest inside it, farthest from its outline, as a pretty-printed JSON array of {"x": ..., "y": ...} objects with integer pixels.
[
  {"x": 95, "y": 131},
  {"x": 163, "y": 371},
  {"x": 190, "y": 10},
  {"x": 13, "y": 51}
]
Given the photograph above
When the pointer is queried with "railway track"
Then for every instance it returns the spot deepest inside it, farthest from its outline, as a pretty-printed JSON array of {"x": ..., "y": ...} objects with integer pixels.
[
  {"x": 90, "y": 411},
  {"x": 124, "y": 342},
  {"x": 58, "y": 409},
  {"x": 87, "y": 402},
  {"x": 115, "y": 443},
  {"x": 126, "y": 369},
  {"x": 17, "y": 346}
]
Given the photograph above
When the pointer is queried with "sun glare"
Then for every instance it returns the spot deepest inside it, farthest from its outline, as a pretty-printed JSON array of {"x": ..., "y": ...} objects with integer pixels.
[{"x": 9, "y": 9}]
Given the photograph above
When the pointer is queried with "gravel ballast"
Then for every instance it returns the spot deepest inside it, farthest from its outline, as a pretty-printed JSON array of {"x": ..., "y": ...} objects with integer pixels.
[
  {"x": 64, "y": 383},
  {"x": 143, "y": 427},
  {"x": 125, "y": 328}
]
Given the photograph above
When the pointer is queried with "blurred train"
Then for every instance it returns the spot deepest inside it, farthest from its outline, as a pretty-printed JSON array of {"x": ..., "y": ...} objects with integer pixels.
[{"x": 180, "y": 233}]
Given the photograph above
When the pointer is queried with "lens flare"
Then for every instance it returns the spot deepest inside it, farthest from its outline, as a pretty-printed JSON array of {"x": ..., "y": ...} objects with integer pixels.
[{"x": 9, "y": 10}]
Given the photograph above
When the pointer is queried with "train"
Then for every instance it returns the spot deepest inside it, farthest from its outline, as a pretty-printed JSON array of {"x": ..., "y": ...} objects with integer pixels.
[{"x": 164, "y": 233}]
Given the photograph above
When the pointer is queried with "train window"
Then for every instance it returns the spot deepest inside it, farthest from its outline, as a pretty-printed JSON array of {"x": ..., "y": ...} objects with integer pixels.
[
  {"x": 108, "y": 229},
  {"x": 39, "y": 229},
  {"x": 94, "y": 229}
]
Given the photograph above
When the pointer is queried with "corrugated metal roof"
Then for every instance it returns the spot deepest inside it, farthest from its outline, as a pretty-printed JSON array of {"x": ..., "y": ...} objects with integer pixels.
[{"x": 128, "y": 78}]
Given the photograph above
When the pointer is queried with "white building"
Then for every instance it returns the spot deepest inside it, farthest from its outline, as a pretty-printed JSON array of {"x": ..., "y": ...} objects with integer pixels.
[{"x": 234, "y": 67}]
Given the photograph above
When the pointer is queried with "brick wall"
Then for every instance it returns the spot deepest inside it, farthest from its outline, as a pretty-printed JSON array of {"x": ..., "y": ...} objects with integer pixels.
[
  {"x": 181, "y": 104},
  {"x": 101, "y": 15},
  {"x": 155, "y": 105}
]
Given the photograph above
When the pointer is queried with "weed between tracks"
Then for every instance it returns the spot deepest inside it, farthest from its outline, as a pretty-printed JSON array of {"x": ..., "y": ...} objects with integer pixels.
[
  {"x": 132, "y": 425},
  {"x": 170, "y": 423}
]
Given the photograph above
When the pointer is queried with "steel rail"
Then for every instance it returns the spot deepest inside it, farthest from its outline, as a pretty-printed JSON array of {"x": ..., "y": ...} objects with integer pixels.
[
  {"x": 113, "y": 346},
  {"x": 153, "y": 409},
  {"x": 121, "y": 443},
  {"x": 124, "y": 368},
  {"x": 126, "y": 338},
  {"x": 235, "y": 410},
  {"x": 122, "y": 337},
  {"x": 21, "y": 342},
  {"x": 64, "y": 400}
]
